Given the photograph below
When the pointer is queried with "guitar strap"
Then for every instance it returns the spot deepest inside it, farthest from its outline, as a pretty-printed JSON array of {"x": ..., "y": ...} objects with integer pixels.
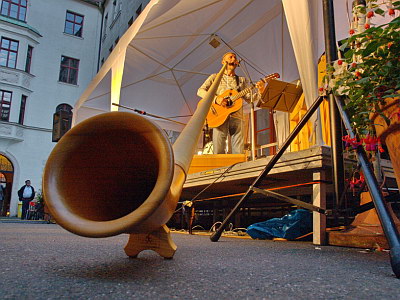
[{"x": 237, "y": 83}]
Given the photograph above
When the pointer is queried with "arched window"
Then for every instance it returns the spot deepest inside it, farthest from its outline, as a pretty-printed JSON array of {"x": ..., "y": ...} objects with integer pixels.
[
  {"x": 65, "y": 107},
  {"x": 62, "y": 121},
  {"x": 5, "y": 165}
]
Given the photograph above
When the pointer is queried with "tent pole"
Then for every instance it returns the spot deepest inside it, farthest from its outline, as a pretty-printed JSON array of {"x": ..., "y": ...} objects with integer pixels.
[
  {"x": 335, "y": 119},
  {"x": 253, "y": 131}
]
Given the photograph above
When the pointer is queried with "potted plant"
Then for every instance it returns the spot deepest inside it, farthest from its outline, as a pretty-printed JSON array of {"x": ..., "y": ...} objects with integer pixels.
[{"x": 369, "y": 76}]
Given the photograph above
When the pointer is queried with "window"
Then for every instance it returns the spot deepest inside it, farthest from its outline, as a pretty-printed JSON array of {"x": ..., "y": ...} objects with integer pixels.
[
  {"x": 116, "y": 9},
  {"x": 8, "y": 53},
  {"x": 64, "y": 107},
  {"x": 69, "y": 70},
  {"x": 14, "y": 9},
  {"x": 28, "y": 59},
  {"x": 5, "y": 105},
  {"x": 62, "y": 121},
  {"x": 130, "y": 22},
  {"x": 22, "y": 109},
  {"x": 73, "y": 24},
  {"x": 139, "y": 10},
  {"x": 105, "y": 25}
]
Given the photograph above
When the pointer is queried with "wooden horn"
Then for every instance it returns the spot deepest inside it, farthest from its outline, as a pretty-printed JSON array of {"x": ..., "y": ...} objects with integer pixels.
[{"x": 118, "y": 173}]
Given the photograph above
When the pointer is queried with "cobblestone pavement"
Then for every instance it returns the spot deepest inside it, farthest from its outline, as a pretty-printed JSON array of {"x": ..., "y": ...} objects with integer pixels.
[{"x": 43, "y": 261}]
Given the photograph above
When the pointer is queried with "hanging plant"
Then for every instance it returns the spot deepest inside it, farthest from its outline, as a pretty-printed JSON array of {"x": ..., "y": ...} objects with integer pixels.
[{"x": 368, "y": 73}]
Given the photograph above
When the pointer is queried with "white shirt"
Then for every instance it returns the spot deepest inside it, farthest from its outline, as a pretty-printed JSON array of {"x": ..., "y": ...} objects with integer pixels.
[
  {"x": 227, "y": 83},
  {"x": 27, "y": 192}
]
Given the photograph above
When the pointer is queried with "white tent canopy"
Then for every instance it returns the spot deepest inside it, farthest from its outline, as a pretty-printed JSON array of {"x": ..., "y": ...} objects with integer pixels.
[{"x": 165, "y": 55}]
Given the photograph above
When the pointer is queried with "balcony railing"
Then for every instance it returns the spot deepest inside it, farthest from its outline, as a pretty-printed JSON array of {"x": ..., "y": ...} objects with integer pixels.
[
  {"x": 16, "y": 77},
  {"x": 11, "y": 131}
]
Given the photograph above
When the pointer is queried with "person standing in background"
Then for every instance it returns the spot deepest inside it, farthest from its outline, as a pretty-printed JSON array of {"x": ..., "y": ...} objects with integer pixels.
[
  {"x": 2, "y": 196},
  {"x": 26, "y": 194}
]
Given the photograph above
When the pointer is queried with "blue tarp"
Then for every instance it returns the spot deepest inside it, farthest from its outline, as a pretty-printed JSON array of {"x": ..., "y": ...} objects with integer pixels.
[{"x": 293, "y": 225}]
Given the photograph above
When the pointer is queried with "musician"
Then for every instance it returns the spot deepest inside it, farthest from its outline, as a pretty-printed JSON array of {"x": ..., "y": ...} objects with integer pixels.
[{"x": 233, "y": 125}]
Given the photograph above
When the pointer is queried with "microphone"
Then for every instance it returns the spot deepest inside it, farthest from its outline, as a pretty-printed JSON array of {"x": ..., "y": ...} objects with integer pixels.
[{"x": 237, "y": 62}]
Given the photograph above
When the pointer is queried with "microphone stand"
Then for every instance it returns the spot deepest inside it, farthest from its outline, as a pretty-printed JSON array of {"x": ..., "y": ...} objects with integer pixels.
[
  {"x": 252, "y": 118},
  {"x": 142, "y": 112}
]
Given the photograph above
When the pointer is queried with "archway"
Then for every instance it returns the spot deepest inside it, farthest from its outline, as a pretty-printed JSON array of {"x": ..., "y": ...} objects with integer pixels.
[{"x": 6, "y": 180}]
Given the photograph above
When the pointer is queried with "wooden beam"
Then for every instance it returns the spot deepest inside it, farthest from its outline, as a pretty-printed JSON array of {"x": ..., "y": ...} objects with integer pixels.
[{"x": 319, "y": 199}]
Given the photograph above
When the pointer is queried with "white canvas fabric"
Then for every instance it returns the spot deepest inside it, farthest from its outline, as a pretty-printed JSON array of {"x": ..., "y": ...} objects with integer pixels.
[
  {"x": 165, "y": 55},
  {"x": 168, "y": 55}
]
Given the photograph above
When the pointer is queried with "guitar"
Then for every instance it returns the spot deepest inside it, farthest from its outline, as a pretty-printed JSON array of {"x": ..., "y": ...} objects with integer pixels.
[{"x": 218, "y": 114}]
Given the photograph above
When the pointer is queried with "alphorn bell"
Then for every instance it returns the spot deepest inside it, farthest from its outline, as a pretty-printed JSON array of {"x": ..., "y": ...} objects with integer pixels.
[{"x": 118, "y": 173}]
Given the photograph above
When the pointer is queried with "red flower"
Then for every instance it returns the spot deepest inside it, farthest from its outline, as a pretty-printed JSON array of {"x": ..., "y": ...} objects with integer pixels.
[
  {"x": 350, "y": 142},
  {"x": 351, "y": 31},
  {"x": 340, "y": 62},
  {"x": 358, "y": 74},
  {"x": 381, "y": 150},
  {"x": 370, "y": 143},
  {"x": 391, "y": 12},
  {"x": 370, "y": 14},
  {"x": 367, "y": 26},
  {"x": 355, "y": 182}
]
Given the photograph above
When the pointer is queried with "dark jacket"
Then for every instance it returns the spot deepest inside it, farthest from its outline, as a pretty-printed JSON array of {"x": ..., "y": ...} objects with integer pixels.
[{"x": 21, "y": 192}]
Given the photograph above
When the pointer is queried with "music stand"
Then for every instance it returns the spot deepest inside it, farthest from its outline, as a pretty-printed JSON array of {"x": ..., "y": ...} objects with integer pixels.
[{"x": 280, "y": 95}]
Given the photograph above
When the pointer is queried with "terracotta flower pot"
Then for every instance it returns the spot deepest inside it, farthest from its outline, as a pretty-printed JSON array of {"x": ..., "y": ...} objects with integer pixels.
[{"x": 390, "y": 134}]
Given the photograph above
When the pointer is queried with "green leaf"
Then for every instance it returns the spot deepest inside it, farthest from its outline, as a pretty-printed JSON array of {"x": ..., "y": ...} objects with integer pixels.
[
  {"x": 387, "y": 120},
  {"x": 349, "y": 54},
  {"x": 380, "y": 11},
  {"x": 343, "y": 46},
  {"x": 395, "y": 21},
  {"x": 390, "y": 96},
  {"x": 363, "y": 80},
  {"x": 372, "y": 47}
]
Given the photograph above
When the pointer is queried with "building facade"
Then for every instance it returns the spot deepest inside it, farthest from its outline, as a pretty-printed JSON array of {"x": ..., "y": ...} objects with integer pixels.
[
  {"x": 118, "y": 15},
  {"x": 49, "y": 53}
]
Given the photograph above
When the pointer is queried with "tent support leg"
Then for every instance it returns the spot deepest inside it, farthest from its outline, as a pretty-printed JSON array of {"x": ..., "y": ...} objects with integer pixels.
[
  {"x": 387, "y": 222},
  {"x": 319, "y": 199},
  {"x": 335, "y": 120}
]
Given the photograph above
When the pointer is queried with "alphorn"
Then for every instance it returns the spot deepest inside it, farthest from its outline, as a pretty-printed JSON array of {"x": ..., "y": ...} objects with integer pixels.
[{"x": 118, "y": 173}]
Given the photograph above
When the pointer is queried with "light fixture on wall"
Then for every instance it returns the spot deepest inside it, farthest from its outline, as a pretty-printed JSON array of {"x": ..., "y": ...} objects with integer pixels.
[{"x": 215, "y": 41}]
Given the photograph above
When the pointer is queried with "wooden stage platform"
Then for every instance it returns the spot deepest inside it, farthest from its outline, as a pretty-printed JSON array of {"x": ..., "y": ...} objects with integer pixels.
[{"x": 304, "y": 175}]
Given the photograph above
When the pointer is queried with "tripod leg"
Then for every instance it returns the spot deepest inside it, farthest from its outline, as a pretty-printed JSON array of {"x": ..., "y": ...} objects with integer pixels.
[
  {"x": 217, "y": 234},
  {"x": 390, "y": 230}
]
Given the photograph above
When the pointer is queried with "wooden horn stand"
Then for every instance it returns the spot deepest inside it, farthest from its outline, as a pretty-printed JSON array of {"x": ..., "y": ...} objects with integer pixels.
[{"x": 159, "y": 241}]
